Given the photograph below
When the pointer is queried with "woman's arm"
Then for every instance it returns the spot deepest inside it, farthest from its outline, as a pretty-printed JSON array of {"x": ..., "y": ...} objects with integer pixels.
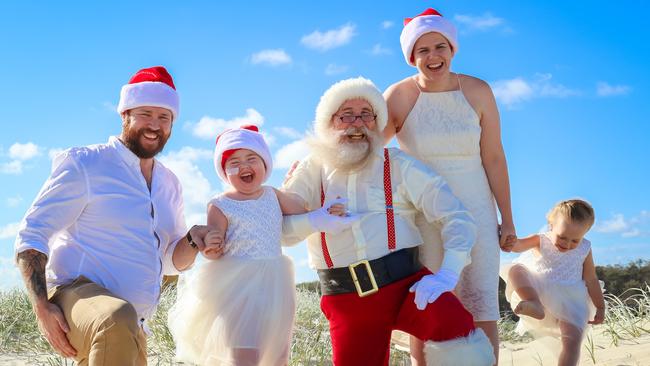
[
  {"x": 400, "y": 99},
  {"x": 494, "y": 159},
  {"x": 524, "y": 244},
  {"x": 391, "y": 129},
  {"x": 593, "y": 288}
]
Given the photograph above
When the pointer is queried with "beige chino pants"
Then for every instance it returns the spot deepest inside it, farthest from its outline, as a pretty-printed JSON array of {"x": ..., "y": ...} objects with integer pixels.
[{"x": 104, "y": 328}]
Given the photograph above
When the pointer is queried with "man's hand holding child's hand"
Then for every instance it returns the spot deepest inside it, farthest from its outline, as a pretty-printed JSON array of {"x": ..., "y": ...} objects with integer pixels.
[{"x": 214, "y": 244}]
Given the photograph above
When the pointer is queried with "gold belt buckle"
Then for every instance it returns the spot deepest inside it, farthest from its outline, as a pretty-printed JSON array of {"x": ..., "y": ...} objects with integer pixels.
[{"x": 371, "y": 276}]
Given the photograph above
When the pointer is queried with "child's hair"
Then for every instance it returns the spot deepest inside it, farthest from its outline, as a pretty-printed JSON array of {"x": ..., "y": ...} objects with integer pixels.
[{"x": 574, "y": 210}]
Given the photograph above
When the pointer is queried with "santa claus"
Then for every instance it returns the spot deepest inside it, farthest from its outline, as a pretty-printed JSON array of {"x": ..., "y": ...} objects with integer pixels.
[{"x": 371, "y": 279}]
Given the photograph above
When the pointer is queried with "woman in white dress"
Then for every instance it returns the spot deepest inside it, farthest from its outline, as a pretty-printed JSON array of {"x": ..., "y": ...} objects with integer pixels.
[{"x": 451, "y": 123}]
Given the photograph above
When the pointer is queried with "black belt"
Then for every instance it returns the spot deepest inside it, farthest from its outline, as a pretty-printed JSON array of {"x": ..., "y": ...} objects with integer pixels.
[{"x": 366, "y": 277}]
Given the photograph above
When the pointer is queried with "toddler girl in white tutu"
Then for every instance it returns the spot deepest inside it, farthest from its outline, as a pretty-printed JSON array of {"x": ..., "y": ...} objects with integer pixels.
[
  {"x": 239, "y": 309},
  {"x": 553, "y": 286}
]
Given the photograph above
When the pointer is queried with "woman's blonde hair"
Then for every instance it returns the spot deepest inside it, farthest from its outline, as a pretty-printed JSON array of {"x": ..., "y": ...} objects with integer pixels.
[{"x": 574, "y": 210}]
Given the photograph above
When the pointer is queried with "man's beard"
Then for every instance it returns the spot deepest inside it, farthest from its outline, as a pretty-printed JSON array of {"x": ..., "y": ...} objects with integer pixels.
[
  {"x": 336, "y": 150},
  {"x": 132, "y": 137}
]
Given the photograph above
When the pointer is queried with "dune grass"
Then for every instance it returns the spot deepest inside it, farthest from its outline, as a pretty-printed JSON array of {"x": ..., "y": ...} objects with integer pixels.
[{"x": 627, "y": 318}]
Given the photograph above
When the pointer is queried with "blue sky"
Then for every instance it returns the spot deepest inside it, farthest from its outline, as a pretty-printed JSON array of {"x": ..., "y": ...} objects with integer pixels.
[{"x": 571, "y": 81}]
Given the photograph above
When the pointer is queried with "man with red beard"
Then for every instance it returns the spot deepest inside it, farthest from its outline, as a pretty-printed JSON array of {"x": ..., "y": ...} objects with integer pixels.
[
  {"x": 109, "y": 224},
  {"x": 370, "y": 275}
]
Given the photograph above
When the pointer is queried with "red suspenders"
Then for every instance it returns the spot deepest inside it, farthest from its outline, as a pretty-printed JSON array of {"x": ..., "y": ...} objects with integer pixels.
[{"x": 390, "y": 218}]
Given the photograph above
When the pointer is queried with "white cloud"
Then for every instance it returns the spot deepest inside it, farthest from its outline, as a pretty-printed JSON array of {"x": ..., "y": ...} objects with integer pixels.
[
  {"x": 19, "y": 154},
  {"x": 478, "y": 22},
  {"x": 12, "y": 167},
  {"x": 603, "y": 89},
  {"x": 613, "y": 225},
  {"x": 209, "y": 127},
  {"x": 197, "y": 190},
  {"x": 632, "y": 233},
  {"x": 269, "y": 138},
  {"x": 387, "y": 24},
  {"x": 14, "y": 201},
  {"x": 288, "y": 132},
  {"x": 9, "y": 230},
  {"x": 287, "y": 154},
  {"x": 197, "y": 217},
  {"x": 274, "y": 57},
  {"x": 188, "y": 153},
  {"x": 378, "y": 50},
  {"x": 330, "y": 39},
  {"x": 10, "y": 275},
  {"x": 334, "y": 69},
  {"x": 547, "y": 88},
  {"x": 24, "y": 152},
  {"x": 612, "y": 252},
  {"x": 512, "y": 92},
  {"x": 636, "y": 226}
]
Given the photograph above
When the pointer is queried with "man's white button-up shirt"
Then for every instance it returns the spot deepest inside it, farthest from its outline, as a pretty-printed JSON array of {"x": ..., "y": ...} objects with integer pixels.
[{"x": 95, "y": 217}]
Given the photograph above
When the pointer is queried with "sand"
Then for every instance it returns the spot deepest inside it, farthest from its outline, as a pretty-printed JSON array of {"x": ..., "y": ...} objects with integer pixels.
[
  {"x": 628, "y": 352},
  {"x": 635, "y": 352}
]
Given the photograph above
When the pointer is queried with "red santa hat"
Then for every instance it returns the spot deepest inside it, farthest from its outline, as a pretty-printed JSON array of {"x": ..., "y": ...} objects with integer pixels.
[
  {"x": 151, "y": 87},
  {"x": 244, "y": 137},
  {"x": 338, "y": 93},
  {"x": 428, "y": 21}
]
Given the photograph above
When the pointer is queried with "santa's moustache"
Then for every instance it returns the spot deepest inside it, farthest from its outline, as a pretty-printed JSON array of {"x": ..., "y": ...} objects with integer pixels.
[{"x": 337, "y": 148}]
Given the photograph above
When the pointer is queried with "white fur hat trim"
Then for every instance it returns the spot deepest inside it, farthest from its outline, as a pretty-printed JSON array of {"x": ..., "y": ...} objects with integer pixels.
[{"x": 344, "y": 90}]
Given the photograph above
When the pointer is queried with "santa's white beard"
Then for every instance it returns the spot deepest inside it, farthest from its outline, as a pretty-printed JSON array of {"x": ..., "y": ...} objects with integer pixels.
[{"x": 336, "y": 150}]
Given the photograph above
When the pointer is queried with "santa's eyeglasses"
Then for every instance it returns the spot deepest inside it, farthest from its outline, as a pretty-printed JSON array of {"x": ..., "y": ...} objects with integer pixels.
[{"x": 350, "y": 118}]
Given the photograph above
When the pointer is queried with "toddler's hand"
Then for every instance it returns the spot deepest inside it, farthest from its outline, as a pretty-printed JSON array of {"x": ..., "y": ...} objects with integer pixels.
[
  {"x": 214, "y": 244},
  {"x": 599, "y": 318}
]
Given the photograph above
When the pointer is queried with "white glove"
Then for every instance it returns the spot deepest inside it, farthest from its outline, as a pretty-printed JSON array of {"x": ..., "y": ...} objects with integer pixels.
[
  {"x": 321, "y": 220},
  {"x": 430, "y": 287}
]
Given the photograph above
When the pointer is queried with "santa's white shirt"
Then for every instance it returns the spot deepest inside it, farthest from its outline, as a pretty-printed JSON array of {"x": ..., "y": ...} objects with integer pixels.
[{"x": 415, "y": 188}]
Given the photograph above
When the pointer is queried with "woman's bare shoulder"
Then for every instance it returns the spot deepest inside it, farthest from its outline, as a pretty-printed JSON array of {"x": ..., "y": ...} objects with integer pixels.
[
  {"x": 469, "y": 81},
  {"x": 401, "y": 86},
  {"x": 404, "y": 89},
  {"x": 478, "y": 92}
]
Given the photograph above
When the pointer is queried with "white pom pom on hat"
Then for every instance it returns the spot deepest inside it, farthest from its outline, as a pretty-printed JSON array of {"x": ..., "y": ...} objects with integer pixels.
[{"x": 427, "y": 22}]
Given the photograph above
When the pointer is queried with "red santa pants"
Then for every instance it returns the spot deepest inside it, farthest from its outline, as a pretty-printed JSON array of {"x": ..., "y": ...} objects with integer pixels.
[{"x": 360, "y": 327}]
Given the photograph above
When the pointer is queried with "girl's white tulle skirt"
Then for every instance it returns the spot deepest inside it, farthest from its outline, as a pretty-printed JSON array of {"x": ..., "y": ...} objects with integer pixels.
[
  {"x": 231, "y": 305},
  {"x": 568, "y": 303}
]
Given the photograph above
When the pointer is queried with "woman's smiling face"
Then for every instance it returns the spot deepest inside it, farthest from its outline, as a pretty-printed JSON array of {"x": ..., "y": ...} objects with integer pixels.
[{"x": 432, "y": 54}]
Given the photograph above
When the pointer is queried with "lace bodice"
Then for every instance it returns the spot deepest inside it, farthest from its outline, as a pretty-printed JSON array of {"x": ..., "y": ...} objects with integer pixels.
[
  {"x": 554, "y": 265},
  {"x": 254, "y": 226},
  {"x": 453, "y": 129}
]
